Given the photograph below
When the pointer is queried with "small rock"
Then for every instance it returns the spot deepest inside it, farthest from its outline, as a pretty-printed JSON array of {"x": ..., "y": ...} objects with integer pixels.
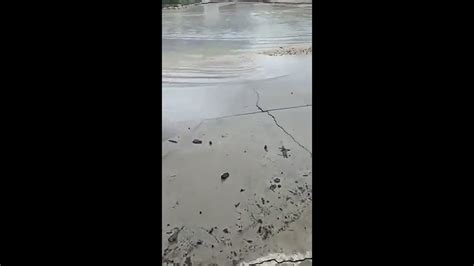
[
  {"x": 224, "y": 176},
  {"x": 197, "y": 141},
  {"x": 225, "y": 230},
  {"x": 210, "y": 143},
  {"x": 173, "y": 141},
  {"x": 174, "y": 237},
  {"x": 265, "y": 148},
  {"x": 276, "y": 180},
  {"x": 200, "y": 212},
  {"x": 242, "y": 190},
  {"x": 237, "y": 205}
]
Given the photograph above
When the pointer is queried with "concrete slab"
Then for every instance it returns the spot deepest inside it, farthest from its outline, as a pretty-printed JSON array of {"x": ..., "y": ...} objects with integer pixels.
[{"x": 264, "y": 205}]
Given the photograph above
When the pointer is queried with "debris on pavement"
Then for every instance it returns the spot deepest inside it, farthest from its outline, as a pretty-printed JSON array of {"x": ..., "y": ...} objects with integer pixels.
[
  {"x": 284, "y": 151},
  {"x": 224, "y": 176},
  {"x": 174, "y": 237}
]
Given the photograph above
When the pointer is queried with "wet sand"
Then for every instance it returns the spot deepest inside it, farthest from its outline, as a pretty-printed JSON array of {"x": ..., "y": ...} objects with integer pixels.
[{"x": 237, "y": 156}]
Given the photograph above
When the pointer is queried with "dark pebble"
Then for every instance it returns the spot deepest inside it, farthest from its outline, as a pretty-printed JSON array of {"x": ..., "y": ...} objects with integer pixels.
[
  {"x": 224, "y": 176},
  {"x": 173, "y": 141},
  {"x": 276, "y": 180},
  {"x": 242, "y": 190},
  {"x": 196, "y": 141},
  {"x": 210, "y": 143},
  {"x": 200, "y": 212},
  {"x": 225, "y": 230},
  {"x": 265, "y": 148},
  {"x": 279, "y": 186}
]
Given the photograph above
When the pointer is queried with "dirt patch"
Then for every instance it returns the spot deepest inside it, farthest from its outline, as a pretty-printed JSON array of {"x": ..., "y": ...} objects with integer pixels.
[{"x": 292, "y": 50}]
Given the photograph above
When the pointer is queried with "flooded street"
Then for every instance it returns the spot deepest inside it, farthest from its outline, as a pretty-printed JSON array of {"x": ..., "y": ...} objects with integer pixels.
[
  {"x": 210, "y": 43},
  {"x": 237, "y": 147}
]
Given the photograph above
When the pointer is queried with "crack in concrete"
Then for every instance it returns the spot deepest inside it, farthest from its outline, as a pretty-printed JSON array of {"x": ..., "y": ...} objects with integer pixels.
[
  {"x": 258, "y": 99},
  {"x": 278, "y": 125},
  {"x": 258, "y": 112},
  {"x": 283, "y": 261}
]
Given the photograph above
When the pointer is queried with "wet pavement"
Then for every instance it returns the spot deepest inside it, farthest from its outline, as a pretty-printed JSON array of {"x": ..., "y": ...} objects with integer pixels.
[{"x": 237, "y": 148}]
